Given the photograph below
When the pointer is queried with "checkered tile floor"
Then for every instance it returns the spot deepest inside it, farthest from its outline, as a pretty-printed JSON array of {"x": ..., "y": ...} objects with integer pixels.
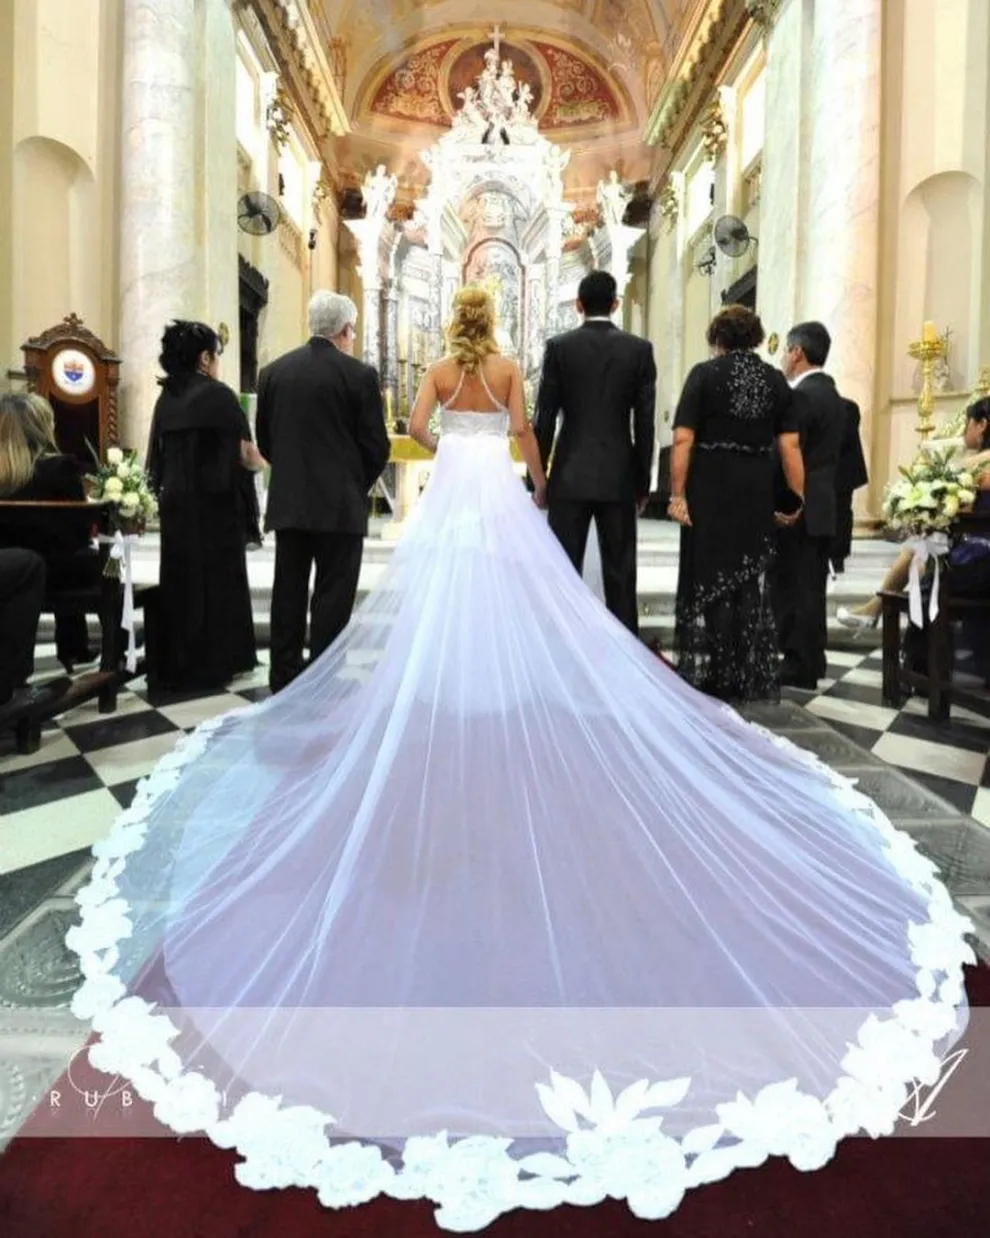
[
  {"x": 950, "y": 758},
  {"x": 66, "y": 796}
]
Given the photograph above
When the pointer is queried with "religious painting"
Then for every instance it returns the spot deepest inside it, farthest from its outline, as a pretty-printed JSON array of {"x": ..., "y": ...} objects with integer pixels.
[
  {"x": 495, "y": 265},
  {"x": 579, "y": 94},
  {"x": 470, "y": 64},
  {"x": 412, "y": 91}
]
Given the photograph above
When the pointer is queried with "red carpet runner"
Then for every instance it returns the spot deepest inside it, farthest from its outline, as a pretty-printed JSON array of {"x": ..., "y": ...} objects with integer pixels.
[{"x": 166, "y": 1188}]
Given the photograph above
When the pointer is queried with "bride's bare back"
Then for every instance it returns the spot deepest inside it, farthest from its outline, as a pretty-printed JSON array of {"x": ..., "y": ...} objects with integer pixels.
[{"x": 498, "y": 372}]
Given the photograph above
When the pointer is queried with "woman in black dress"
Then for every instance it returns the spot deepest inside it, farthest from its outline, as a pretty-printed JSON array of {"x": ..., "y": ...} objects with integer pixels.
[
  {"x": 32, "y": 469},
  {"x": 199, "y": 447},
  {"x": 733, "y": 411}
]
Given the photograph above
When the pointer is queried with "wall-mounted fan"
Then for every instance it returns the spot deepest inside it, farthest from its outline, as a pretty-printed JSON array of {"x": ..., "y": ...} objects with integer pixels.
[
  {"x": 732, "y": 236},
  {"x": 258, "y": 214}
]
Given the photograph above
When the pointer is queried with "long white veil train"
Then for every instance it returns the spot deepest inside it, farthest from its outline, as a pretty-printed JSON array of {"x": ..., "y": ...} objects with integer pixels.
[{"x": 488, "y": 907}]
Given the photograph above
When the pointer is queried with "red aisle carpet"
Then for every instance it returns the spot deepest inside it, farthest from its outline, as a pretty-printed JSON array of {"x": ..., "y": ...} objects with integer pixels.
[{"x": 165, "y": 1188}]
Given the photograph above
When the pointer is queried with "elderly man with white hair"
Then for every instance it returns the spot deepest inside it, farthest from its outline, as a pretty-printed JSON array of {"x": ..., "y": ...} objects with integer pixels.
[{"x": 321, "y": 426}]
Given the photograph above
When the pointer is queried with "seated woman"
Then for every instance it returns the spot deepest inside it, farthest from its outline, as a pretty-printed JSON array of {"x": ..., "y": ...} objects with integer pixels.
[
  {"x": 33, "y": 469},
  {"x": 199, "y": 447},
  {"x": 976, "y": 440}
]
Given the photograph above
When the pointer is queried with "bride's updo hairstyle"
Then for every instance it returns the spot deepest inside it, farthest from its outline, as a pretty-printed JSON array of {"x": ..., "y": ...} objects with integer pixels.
[{"x": 471, "y": 334}]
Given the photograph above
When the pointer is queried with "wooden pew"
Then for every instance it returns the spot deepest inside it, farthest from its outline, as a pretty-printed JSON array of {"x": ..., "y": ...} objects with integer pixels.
[
  {"x": 102, "y": 599},
  {"x": 897, "y": 680}
]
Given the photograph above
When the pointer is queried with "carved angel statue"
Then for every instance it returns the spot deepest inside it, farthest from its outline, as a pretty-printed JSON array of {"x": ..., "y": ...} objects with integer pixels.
[
  {"x": 557, "y": 159},
  {"x": 613, "y": 198},
  {"x": 520, "y": 110},
  {"x": 470, "y": 113},
  {"x": 507, "y": 89},
  {"x": 378, "y": 191}
]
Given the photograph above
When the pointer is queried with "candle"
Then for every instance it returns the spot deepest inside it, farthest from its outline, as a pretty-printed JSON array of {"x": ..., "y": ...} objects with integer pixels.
[{"x": 930, "y": 333}]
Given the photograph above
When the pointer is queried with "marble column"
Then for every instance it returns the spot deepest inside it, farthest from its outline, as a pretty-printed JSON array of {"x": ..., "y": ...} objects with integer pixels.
[
  {"x": 159, "y": 271},
  {"x": 842, "y": 230},
  {"x": 218, "y": 178},
  {"x": 392, "y": 342},
  {"x": 726, "y": 191},
  {"x": 368, "y": 235},
  {"x": 783, "y": 178}
]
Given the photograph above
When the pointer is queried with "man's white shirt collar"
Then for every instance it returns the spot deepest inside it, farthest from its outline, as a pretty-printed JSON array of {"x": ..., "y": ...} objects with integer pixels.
[
  {"x": 815, "y": 369},
  {"x": 597, "y": 318}
]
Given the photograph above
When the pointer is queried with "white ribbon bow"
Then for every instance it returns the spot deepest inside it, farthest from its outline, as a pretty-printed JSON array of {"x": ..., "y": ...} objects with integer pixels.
[
  {"x": 933, "y": 547},
  {"x": 121, "y": 548}
]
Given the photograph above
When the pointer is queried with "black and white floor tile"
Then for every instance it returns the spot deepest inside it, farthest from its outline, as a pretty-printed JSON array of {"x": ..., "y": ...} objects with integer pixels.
[{"x": 950, "y": 758}]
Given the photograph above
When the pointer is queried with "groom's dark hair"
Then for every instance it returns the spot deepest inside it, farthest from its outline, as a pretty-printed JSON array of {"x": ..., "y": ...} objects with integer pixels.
[{"x": 597, "y": 292}]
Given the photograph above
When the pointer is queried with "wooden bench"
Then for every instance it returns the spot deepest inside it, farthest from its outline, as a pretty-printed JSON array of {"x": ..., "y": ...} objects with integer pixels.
[
  {"x": 103, "y": 599},
  {"x": 898, "y": 681}
]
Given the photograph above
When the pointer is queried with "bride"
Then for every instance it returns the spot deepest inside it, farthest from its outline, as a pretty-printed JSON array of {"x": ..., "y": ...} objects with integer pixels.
[{"x": 489, "y": 908}]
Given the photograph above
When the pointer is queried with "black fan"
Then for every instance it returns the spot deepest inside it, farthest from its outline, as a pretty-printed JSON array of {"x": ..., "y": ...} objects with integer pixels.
[
  {"x": 258, "y": 214},
  {"x": 732, "y": 236}
]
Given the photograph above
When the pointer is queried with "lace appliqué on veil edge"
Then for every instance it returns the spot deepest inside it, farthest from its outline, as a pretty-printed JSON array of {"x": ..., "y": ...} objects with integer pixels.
[{"x": 612, "y": 1146}]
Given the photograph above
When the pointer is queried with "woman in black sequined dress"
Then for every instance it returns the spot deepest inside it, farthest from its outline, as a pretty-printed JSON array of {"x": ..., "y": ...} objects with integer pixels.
[{"x": 734, "y": 410}]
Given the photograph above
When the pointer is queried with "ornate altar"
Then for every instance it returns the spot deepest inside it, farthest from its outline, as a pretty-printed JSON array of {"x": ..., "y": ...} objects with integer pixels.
[
  {"x": 494, "y": 214},
  {"x": 78, "y": 375}
]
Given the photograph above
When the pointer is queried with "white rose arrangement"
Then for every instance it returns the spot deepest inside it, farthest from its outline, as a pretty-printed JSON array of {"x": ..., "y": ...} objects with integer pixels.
[
  {"x": 928, "y": 496},
  {"x": 121, "y": 481}
]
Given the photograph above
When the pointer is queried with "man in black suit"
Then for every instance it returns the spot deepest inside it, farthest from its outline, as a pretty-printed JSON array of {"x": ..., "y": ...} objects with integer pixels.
[
  {"x": 804, "y": 539},
  {"x": 321, "y": 426},
  {"x": 850, "y": 475},
  {"x": 599, "y": 379}
]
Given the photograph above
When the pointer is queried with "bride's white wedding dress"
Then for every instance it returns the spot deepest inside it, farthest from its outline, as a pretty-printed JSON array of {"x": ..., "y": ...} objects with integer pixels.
[{"x": 488, "y": 907}]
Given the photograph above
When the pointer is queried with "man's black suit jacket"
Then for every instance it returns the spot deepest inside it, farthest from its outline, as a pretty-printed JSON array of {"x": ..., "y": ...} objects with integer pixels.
[
  {"x": 596, "y": 376},
  {"x": 321, "y": 426},
  {"x": 821, "y": 417}
]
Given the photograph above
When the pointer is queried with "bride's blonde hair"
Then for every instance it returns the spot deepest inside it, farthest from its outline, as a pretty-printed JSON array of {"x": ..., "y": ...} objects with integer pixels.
[{"x": 471, "y": 334}]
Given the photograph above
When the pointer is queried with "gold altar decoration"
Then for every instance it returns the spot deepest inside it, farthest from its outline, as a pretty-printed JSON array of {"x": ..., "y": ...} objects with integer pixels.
[
  {"x": 928, "y": 350},
  {"x": 406, "y": 450}
]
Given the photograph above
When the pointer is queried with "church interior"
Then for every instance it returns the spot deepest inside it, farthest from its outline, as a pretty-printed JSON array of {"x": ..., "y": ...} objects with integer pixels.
[{"x": 222, "y": 160}]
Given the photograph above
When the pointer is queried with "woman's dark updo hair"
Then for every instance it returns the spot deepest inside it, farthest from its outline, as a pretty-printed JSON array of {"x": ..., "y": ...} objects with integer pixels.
[
  {"x": 735, "y": 328},
  {"x": 182, "y": 344},
  {"x": 980, "y": 411}
]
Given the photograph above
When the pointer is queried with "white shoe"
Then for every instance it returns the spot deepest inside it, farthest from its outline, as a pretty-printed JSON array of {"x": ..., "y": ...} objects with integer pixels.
[{"x": 851, "y": 619}]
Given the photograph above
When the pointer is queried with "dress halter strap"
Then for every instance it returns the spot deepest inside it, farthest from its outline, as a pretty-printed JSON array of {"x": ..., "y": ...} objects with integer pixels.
[
  {"x": 488, "y": 391},
  {"x": 457, "y": 391},
  {"x": 499, "y": 406}
]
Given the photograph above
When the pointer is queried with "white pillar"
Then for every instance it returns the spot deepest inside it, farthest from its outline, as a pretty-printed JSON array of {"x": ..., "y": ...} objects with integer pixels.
[
  {"x": 726, "y": 190},
  {"x": 781, "y": 179},
  {"x": 368, "y": 232},
  {"x": 218, "y": 178},
  {"x": 842, "y": 231},
  {"x": 159, "y": 274}
]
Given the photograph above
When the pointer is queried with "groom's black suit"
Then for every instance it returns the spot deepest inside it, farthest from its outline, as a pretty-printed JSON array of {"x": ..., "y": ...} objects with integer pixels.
[{"x": 602, "y": 382}]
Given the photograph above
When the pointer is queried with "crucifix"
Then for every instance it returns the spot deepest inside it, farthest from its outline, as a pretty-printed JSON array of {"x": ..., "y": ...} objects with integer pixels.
[{"x": 496, "y": 37}]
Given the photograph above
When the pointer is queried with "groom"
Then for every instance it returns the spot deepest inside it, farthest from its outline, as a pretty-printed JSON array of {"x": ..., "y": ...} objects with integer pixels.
[{"x": 602, "y": 383}]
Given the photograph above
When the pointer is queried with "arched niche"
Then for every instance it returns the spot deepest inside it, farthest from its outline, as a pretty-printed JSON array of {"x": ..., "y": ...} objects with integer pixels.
[
  {"x": 939, "y": 270},
  {"x": 57, "y": 260}
]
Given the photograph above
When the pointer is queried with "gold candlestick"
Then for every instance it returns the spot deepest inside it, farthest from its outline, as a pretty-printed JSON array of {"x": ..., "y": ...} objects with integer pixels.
[
  {"x": 389, "y": 412},
  {"x": 928, "y": 350}
]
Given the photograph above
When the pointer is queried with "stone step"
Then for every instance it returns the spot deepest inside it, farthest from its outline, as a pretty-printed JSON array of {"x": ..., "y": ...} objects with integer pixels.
[{"x": 657, "y": 556}]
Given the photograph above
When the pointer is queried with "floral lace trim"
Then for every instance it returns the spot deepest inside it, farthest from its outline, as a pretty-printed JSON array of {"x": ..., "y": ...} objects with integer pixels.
[{"x": 612, "y": 1146}]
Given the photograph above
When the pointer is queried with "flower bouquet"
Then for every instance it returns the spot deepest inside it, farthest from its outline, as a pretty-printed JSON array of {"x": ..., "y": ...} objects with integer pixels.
[
  {"x": 122, "y": 482},
  {"x": 922, "y": 506},
  {"x": 928, "y": 496}
]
